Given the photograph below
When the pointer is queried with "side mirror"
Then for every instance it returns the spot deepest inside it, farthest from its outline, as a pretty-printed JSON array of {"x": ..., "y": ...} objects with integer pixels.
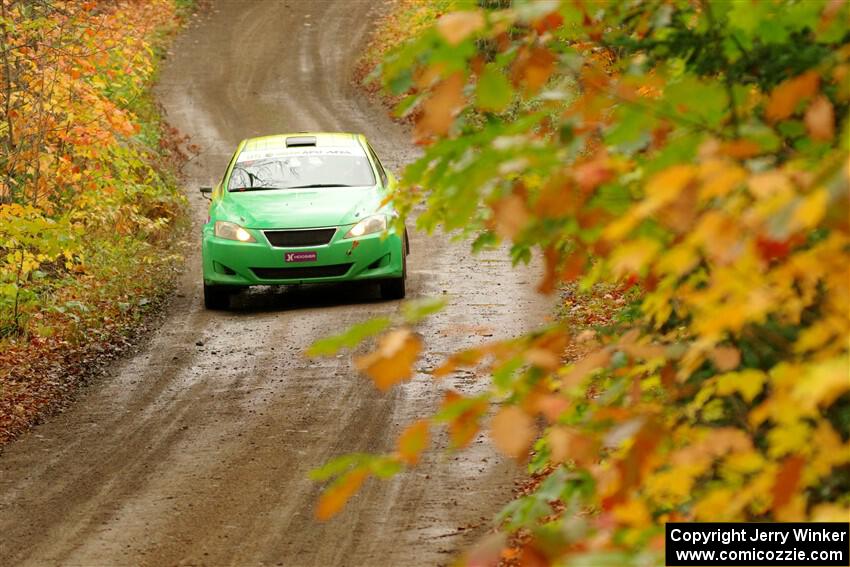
[{"x": 207, "y": 192}]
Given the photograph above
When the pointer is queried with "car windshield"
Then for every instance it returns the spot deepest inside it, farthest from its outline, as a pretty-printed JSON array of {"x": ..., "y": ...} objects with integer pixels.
[{"x": 291, "y": 168}]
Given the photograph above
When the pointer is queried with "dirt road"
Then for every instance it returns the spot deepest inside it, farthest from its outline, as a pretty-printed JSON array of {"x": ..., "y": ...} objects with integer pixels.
[{"x": 196, "y": 449}]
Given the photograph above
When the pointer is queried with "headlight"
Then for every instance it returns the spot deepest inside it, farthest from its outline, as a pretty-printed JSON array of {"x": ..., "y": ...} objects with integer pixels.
[
  {"x": 369, "y": 225},
  {"x": 232, "y": 231}
]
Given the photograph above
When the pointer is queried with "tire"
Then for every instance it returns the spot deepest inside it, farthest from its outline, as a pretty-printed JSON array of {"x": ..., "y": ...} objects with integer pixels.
[
  {"x": 395, "y": 288},
  {"x": 216, "y": 297}
]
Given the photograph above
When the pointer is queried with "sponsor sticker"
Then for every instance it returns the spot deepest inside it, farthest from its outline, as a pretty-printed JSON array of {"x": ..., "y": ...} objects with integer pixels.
[
  {"x": 300, "y": 256},
  {"x": 247, "y": 156}
]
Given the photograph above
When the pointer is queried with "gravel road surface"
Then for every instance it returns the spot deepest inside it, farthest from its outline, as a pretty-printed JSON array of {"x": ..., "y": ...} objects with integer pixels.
[{"x": 196, "y": 449}]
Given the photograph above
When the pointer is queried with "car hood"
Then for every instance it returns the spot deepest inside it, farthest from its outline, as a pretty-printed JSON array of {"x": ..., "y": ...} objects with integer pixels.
[{"x": 300, "y": 208}]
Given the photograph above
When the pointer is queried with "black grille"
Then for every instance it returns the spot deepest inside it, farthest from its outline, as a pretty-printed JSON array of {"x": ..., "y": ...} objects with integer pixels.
[
  {"x": 290, "y": 238},
  {"x": 301, "y": 272}
]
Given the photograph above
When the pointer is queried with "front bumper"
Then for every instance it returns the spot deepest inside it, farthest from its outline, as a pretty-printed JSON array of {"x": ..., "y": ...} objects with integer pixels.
[{"x": 228, "y": 262}]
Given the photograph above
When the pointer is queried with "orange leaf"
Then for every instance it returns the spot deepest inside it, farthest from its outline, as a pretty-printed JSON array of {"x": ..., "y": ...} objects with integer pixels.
[
  {"x": 569, "y": 444},
  {"x": 726, "y": 358},
  {"x": 556, "y": 199},
  {"x": 533, "y": 67},
  {"x": 334, "y": 498},
  {"x": 464, "y": 427},
  {"x": 573, "y": 266},
  {"x": 457, "y": 26},
  {"x": 393, "y": 361},
  {"x": 786, "y": 482},
  {"x": 512, "y": 430},
  {"x": 550, "y": 21},
  {"x": 441, "y": 107},
  {"x": 550, "y": 276},
  {"x": 413, "y": 440},
  {"x": 469, "y": 357},
  {"x": 509, "y": 216},
  {"x": 593, "y": 173},
  {"x": 820, "y": 119},
  {"x": 552, "y": 407},
  {"x": 716, "y": 443},
  {"x": 740, "y": 149},
  {"x": 547, "y": 350},
  {"x": 585, "y": 366},
  {"x": 784, "y": 98}
]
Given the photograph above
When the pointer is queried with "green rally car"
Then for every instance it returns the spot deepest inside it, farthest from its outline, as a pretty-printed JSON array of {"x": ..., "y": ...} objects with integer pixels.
[{"x": 302, "y": 208}]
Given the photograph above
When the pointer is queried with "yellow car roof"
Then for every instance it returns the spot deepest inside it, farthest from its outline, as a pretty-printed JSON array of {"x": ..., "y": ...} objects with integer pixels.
[{"x": 276, "y": 141}]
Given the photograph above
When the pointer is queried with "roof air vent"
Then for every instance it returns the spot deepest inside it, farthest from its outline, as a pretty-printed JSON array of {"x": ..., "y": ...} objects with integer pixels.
[{"x": 295, "y": 141}]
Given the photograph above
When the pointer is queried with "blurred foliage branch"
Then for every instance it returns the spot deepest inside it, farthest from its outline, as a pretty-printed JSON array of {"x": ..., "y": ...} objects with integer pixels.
[{"x": 696, "y": 151}]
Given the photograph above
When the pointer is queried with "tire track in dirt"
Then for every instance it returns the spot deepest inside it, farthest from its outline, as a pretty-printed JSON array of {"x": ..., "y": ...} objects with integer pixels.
[{"x": 198, "y": 454}]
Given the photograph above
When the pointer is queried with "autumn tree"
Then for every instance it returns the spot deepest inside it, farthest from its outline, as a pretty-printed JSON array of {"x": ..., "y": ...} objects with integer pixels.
[
  {"x": 694, "y": 154},
  {"x": 88, "y": 198},
  {"x": 75, "y": 164}
]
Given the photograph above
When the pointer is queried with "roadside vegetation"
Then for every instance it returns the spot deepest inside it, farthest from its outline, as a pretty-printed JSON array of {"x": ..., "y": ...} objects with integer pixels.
[
  {"x": 89, "y": 204},
  {"x": 682, "y": 170}
]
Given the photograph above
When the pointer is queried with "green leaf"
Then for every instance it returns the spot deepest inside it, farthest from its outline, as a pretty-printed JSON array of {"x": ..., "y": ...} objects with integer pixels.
[
  {"x": 418, "y": 309},
  {"x": 340, "y": 465},
  {"x": 350, "y": 338},
  {"x": 493, "y": 93}
]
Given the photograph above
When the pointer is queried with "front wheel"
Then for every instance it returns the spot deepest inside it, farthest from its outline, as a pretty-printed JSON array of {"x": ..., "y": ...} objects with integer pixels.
[
  {"x": 216, "y": 297},
  {"x": 395, "y": 288}
]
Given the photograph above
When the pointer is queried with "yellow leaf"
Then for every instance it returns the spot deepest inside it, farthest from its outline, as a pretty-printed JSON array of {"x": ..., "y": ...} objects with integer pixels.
[
  {"x": 823, "y": 383},
  {"x": 512, "y": 430},
  {"x": 746, "y": 462},
  {"x": 829, "y": 452},
  {"x": 632, "y": 257},
  {"x": 393, "y": 361},
  {"x": 673, "y": 486},
  {"x": 748, "y": 383},
  {"x": 719, "y": 505},
  {"x": 457, "y": 26},
  {"x": 413, "y": 440},
  {"x": 678, "y": 261},
  {"x": 666, "y": 185},
  {"x": 633, "y": 513},
  {"x": 811, "y": 210},
  {"x": 830, "y": 513},
  {"x": 789, "y": 438},
  {"x": 719, "y": 178}
]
